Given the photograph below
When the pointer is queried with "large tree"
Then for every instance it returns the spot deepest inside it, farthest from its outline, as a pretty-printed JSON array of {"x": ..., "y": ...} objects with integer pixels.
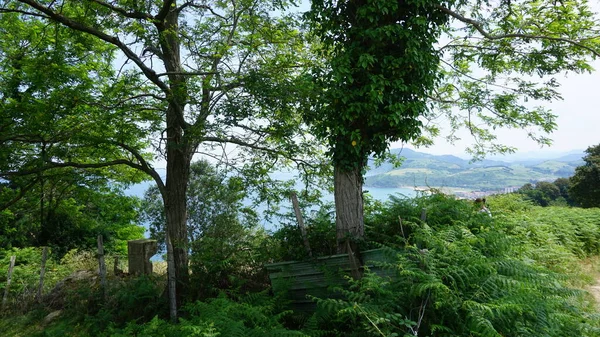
[
  {"x": 67, "y": 212},
  {"x": 191, "y": 77},
  {"x": 380, "y": 66},
  {"x": 389, "y": 74},
  {"x": 585, "y": 184}
]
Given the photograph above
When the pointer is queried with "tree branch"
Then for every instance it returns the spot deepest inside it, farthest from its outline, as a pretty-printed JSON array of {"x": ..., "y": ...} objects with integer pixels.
[
  {"x": 166, "y": 8},
  {"x": 208, "y": 8},
  {"x": 477, "y": 25},
  {"x": 18, "y": 197},
  {"x": 5, "y": 10},
  {"x": 149, "y": 73},
  {"x": 187, "y": 73},
  {"x": 239, "y": 142},
  {"x": 145, "y": 166},
  {"x": 124, "y": 12},
  {"x": 51, "y": 165}
]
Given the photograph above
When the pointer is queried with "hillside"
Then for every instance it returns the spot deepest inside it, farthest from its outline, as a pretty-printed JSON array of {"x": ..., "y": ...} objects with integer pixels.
[{"x": 422, "y": 169}]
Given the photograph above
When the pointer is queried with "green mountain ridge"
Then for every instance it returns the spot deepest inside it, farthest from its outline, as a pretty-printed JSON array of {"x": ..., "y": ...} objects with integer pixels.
[{"x": 421, "y": 169}]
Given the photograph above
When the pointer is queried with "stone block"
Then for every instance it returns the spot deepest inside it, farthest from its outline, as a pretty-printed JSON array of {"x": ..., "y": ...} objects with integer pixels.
[{"x": 139, "y": 254}]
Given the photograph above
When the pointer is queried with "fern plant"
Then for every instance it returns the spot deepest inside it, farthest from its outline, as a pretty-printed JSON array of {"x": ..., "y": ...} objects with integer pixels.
[{"x": 467, "y": 276}]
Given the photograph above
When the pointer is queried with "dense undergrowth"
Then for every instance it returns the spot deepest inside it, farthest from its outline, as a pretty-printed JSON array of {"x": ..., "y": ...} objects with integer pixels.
[{"x": 460, "y": 273}]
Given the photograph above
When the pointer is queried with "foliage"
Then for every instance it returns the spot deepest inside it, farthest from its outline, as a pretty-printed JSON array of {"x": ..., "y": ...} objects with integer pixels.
[
  {"x": 193, "y": 78},
  {"x": 214, "y": 199},
  {"x": 69, "y": 212},
  {"x": 500, "y": 62},
  {"x": 225, "y": 239},
  {"x": 320, "y": 231},
  {"x": 380, "y": 65},
  {"x": 26, "y": 273},
  {"x": 465, "y": 274},
  {"x": 548, "y": 193},
  {"x": 585, "y": 184},
  {"x": 460, "y": 273}
]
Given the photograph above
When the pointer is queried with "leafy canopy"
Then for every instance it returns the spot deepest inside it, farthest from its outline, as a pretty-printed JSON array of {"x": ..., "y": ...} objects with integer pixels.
[{"x": 379, "y": 66}]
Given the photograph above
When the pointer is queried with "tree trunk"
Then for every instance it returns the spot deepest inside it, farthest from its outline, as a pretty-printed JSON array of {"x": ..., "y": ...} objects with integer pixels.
[
  {"x": 349, "y": 218},
  {"x": 178, "y": 165},
  {"x": 180, "y": 149}
]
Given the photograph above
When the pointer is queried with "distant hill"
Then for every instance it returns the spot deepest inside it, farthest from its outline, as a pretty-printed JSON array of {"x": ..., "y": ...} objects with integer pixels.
[{"x": 423, "y": 169}]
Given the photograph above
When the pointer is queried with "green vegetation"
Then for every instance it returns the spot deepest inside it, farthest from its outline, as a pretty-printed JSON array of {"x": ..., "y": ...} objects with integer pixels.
[
  {"x": 585, "y": 184},
  {"x": 66, "y": 212},
  {"x": 461, "y": 273},
  {"x": 548, "y": 193},
  {"x": 582, "y": 189},
  {"x": 227, "y": 244},
  {"x": 257, "y": 88},
  {"x": 420, "y": 169}
]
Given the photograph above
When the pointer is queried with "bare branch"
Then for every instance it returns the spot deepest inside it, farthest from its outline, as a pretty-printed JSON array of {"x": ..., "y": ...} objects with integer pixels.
[{"x": 489, "y": 36}]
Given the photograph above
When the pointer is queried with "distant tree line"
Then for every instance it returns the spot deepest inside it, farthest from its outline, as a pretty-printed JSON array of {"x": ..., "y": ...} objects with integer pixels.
[{"x": 582, "y": 189}]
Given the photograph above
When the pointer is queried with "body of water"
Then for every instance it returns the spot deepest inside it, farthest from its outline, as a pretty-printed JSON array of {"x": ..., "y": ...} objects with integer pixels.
[{"x": 378, "y": 193}]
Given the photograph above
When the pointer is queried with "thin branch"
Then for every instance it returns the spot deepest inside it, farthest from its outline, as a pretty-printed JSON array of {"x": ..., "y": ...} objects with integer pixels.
[
  {"x": 145, "y": 167},
  {"x": 124, "y": 12},
  {"x": 477, "y": 79},
  {"x": 254, "y": 146},
  {"x": 18, "y": 197},
  {"x": 5, "y": 10},
  {"x": 187, "y": 73},
  {"x": 208, "y": 8},
  {"x": 477, "y": 25}
]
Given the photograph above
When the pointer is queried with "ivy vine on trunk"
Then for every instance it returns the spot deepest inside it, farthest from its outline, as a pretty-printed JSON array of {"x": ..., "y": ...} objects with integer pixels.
[{"x": 380, "y": 64}]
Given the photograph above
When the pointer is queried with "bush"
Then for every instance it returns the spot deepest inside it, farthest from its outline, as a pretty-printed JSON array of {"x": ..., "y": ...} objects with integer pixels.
[{"x": 463, "y": 274}]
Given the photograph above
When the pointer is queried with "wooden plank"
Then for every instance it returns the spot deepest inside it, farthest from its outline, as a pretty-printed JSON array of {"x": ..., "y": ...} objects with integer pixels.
[
  {"x": 300, "y": 279},
  {"x": 296, "y": 206}
]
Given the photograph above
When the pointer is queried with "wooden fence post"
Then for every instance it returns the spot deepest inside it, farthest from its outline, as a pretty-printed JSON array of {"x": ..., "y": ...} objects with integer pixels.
[
  {"x": 101, "y": 264},
  {"x": 300, "y": 222},
  {"x": 10, "y": 271},
  {"x": 424, "y": 214},
  {"x": 42, "y": 272}
]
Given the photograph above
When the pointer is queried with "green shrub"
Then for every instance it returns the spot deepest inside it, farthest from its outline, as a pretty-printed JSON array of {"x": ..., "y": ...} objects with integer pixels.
[
  {"x": 229, "y": 257},
  {"x": 320, "y": 230}
]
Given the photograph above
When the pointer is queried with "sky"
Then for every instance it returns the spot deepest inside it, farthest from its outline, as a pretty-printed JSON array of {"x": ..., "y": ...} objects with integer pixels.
[
  {"x": 578, "y": 121},
  {"x": 578, "y": 118}
]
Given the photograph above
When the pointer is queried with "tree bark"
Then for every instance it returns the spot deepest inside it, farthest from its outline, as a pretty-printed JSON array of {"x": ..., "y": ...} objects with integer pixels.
[
  {"x": 178, "y": 166},
  {"x": 179, "y": 148},
  {"x": 349, "y": 211}
]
